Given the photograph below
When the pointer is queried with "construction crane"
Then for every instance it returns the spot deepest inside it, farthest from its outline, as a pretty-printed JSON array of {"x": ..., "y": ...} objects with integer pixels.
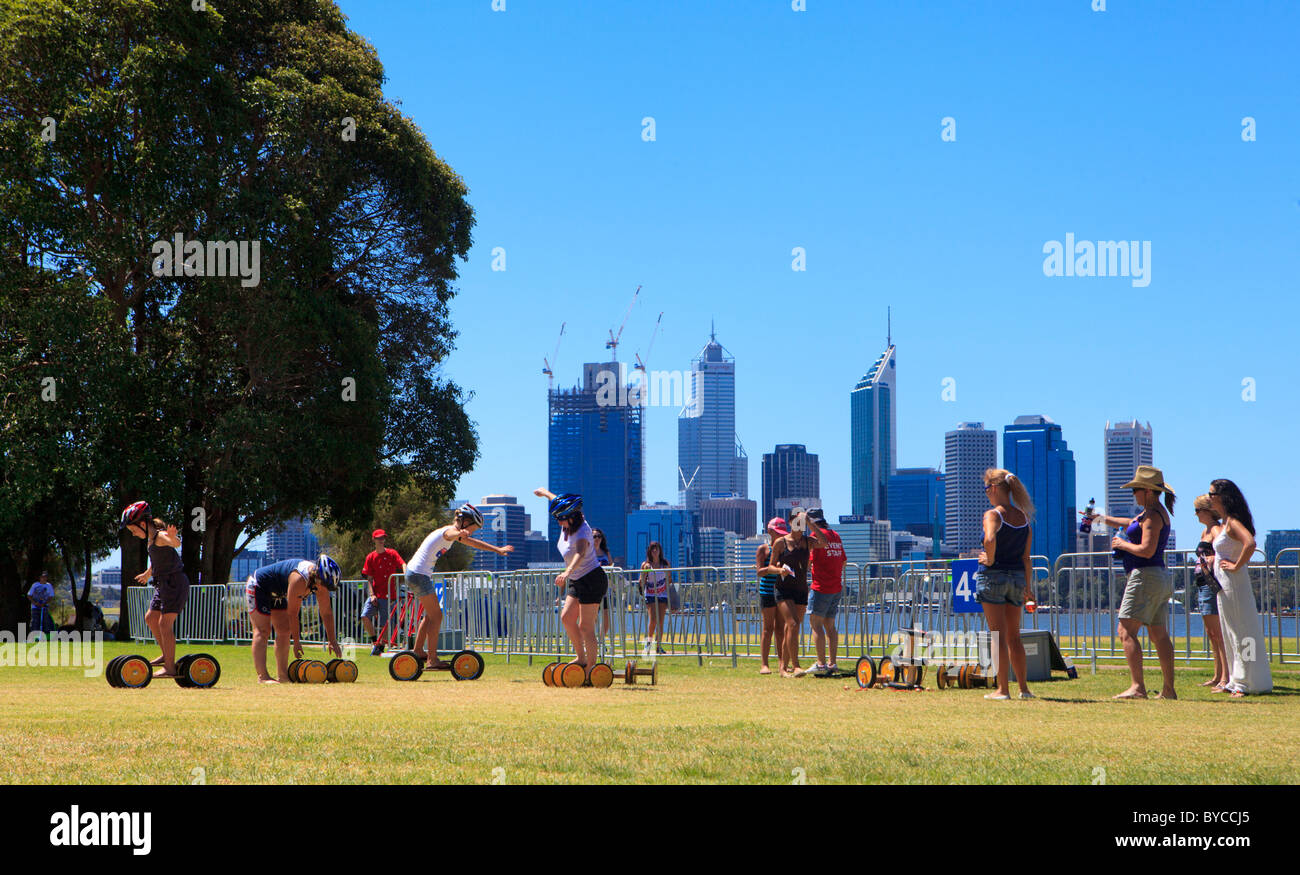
[
  {"x": 612, "y": 343},
  {"x": 640, "y": 364},
  {"x": 547, "y": 367}
]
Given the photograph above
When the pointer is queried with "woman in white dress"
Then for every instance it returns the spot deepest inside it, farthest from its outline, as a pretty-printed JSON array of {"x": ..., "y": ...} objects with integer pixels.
[{"x": 1243, "y": 631}]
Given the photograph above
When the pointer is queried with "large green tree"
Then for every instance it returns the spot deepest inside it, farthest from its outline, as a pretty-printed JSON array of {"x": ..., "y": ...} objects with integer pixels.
[{"x": 126, "y": 122}]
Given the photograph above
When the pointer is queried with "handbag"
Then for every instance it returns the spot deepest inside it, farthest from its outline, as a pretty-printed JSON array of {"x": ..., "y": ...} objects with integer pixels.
[{"x": 674, "y": 600}]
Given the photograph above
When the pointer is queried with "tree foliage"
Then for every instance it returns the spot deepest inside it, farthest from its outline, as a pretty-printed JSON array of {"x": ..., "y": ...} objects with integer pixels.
[{"x": 307, "y": 393}]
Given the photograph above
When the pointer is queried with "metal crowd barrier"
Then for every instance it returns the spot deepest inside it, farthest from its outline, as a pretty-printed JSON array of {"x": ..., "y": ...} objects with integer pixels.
[
  {"x": 201, "y": 620},
  {"x": 717, "y": 611}
]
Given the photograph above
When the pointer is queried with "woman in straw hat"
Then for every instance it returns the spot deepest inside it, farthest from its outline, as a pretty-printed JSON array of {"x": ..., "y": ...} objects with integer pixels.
[
  {"x": 1243, "y": 630},
  {"x": 1207, "y": 589},
  {"x": 1150, "y": 585}
]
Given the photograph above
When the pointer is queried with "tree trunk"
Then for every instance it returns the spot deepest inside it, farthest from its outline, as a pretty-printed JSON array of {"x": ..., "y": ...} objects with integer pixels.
[
  {"x": 11, "y": 587},
  {"x": 192, "y": 541},
  {"x": 225, "y": 534},
  {"x": 135, "y": 559}
]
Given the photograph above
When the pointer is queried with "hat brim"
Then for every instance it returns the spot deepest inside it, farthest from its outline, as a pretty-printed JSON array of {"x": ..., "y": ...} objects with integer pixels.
[{"x": 1154, "y": 487}]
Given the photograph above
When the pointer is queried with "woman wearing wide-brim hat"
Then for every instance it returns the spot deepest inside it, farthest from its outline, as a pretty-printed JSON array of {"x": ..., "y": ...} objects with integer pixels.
[{"x": 1149, "y": 585}]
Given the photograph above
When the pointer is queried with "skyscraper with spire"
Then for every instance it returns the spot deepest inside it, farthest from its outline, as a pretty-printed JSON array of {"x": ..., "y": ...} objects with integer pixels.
[
  {"x": 873, "y": 449},
  {"x": 710, "y": 459}
]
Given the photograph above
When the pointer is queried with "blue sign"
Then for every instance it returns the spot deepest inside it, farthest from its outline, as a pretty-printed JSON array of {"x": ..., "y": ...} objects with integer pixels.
[{"x": 963, "y": 586}]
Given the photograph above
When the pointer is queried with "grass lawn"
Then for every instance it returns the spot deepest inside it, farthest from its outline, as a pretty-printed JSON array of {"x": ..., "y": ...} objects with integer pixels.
[{"x": 699, "y": 725}]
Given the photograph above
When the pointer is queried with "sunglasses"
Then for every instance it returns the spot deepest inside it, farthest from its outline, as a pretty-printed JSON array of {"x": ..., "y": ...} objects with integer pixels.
[{"x": 1212, "y": 494}]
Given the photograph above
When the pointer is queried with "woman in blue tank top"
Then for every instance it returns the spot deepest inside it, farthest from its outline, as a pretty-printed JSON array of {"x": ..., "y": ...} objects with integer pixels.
[
  {"x": 768, "y": 577},
  {"x": 1149, "y": 584},
  {"x": 1002, "y": 582}
]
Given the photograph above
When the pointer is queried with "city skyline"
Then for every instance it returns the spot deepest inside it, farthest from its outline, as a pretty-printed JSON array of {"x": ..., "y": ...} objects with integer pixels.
[{"x": 949, "y": 233}]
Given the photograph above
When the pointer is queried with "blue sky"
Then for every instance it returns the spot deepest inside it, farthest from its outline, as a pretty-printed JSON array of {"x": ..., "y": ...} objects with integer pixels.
[{"x": 822, "y": 129}]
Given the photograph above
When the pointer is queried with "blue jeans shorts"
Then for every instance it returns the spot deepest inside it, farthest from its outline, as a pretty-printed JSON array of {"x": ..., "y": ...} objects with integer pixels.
[
  {"x": 996, "y": 587},
  {"x": 376, "y": 610},
  {"x": 420, "y": 584},
  {"x": 824, "y": 604}
]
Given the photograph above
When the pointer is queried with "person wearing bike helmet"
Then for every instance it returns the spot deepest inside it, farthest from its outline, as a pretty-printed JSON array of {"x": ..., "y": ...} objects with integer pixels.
[
  {"x": 419, "y": 576},
  {"x": 275, "y": 593},
  {"x": 583, "y": 579},
  {"x": 171, "y": 584}
]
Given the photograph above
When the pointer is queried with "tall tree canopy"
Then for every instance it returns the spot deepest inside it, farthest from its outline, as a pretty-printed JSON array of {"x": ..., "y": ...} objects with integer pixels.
[{"x": 258, "y": 124}]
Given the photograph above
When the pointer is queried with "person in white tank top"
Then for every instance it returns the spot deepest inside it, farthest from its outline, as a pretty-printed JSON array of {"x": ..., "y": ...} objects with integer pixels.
[
  {"x": 1245, "y": 647},
  {"x": 419, "y": 580}
]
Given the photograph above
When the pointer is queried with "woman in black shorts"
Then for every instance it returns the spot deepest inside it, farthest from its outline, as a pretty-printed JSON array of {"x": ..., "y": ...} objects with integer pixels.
[
  {"x": 171, "y": 585},
  {"x": 790, "y": 556},
  {"x": 583, "y": 579}
]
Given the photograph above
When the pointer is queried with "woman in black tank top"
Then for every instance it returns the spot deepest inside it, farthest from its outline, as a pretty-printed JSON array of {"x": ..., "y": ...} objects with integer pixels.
[
  {"x": 171, "y": 585},
  {"x": 1002, "y": 584},
  {"x": 792, "y": 552}
]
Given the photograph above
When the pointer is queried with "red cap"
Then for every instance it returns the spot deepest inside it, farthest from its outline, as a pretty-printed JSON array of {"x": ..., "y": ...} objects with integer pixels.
[
  {"x": 776, "y": 525},
  {"x": 379, "y": 533}
]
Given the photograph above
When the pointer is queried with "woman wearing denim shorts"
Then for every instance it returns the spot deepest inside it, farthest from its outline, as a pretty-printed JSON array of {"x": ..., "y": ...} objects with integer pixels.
[
  {"x": 1207, "y": 590},
  {"x": 1149, "y": 585},
  {"x": 1002, "y": 582}
]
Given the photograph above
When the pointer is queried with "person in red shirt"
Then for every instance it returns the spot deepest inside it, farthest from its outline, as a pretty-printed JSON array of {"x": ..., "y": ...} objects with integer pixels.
[
  {"x": 379, "y": 567},
  {"x": 826, "y": 568}
]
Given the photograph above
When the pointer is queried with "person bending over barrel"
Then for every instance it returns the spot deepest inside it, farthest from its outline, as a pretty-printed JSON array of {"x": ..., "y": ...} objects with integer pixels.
[{"x": 275, "y": 593}]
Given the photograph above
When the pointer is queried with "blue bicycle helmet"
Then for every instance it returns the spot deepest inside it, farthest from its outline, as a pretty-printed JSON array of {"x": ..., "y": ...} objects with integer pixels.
[
  {"x": 562, "y": 506},
  {"x": 329, "y": 573}
]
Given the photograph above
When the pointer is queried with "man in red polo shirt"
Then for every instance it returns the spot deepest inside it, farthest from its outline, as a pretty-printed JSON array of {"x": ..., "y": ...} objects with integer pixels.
[
  {"x": 380, "y": 565},
  {"x": 826, "y": 568}
]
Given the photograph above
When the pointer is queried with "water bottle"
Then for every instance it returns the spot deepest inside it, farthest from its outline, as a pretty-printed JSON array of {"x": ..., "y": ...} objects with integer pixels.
[{"x": 1089, "y": 513}]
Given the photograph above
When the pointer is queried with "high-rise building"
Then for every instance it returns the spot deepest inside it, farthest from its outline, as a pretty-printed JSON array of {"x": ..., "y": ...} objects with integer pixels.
[
  {"x": 1034, "y": 449},
  {"x": 539, "y": 551},
  {"x": 291, "y": 540},
  {"x": 1278, "y": 540},
  {"x": 873, "y": 449},
  {"x": 673, "y": 527},
  {"x": 505, "y": 522},
  {"x": 711, "y": 546},
  {"x": 742, "y": 551},
  {"x": 968, "y": 452},
  {"x": 597, "y": 439},
  {"x": 865, "y": 540},
  {"x": 789, "y": 472},
  {"x": 710, "y": 459},
  {"x": 917, "y": 502},
  {"x": 249, "y": 561},
  {"x": 730, "y": 513},
  {"x": 1128, "y": 444}
]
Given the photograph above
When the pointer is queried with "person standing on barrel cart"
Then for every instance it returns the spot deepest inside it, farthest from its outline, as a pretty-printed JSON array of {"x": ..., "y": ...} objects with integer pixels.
[
  {"x": 380, "y": 566},
  {"x": 582, "y": 579},
  {"x": 275, "y": 593},
  {"x": 171, "y": 585},
  {"x": 419, "y": 579}
]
